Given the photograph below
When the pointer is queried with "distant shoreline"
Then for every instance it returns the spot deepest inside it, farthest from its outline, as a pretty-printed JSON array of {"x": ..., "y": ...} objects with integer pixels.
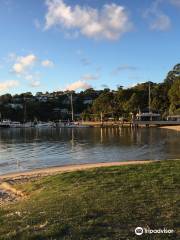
[
  {"x": 61, "y": 169},
  {"x": 176, "y": 128}
]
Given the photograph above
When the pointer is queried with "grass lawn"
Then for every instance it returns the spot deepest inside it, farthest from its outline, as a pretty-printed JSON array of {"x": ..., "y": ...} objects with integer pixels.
[{"x": 103, "y": 203}]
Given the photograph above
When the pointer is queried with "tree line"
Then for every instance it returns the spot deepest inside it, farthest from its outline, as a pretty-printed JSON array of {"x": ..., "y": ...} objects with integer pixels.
[{"x": 92, "y": 104}]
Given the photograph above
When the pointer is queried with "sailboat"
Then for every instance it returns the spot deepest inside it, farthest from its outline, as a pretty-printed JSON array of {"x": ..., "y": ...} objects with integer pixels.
[
  {"x": 148, "y": 116},
  {"x": 72, "y": 124}
]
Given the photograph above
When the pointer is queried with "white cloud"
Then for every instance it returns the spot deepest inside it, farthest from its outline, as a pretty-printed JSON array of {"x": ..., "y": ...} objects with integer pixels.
[
  {"x": 47, "y": 63},
  {"x": 4, "y": 86},
  {"x": 23, "y": 63},
  {"x": 34, "y": 79},
  {"x": 78, "y": 85},
  {"x": 110, "y": 22},
  {"x": 158, "y": 20},
  {"x": 23, "y": 67},
  {"x": 82, "y": 82}
]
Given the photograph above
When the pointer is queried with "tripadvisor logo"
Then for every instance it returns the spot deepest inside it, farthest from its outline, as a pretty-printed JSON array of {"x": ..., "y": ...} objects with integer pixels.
[{"x": 139, "y": 231}]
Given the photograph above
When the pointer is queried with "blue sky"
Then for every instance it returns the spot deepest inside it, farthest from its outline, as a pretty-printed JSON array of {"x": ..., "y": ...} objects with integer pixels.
[{"x": 49, "y": 45}]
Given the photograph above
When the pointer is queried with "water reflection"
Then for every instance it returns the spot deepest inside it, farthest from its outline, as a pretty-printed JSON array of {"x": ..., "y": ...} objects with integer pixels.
[{"x": 23, "y": 149}]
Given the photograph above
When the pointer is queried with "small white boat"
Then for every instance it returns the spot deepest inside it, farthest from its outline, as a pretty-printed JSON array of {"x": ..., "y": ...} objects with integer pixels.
[
  {"x": 5, "y": 124},
  {"x": 15, "y": 125},
  {"x": 71, "y": 125},
  {"x": 28, "y": 125},
  {"x": 44, "y": 125}
]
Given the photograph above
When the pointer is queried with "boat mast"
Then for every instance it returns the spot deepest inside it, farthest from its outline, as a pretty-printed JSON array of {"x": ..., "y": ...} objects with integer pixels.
[
  {"x": 24, "y": 110},
  {"x": 149, "y": 97},
  {"x": 72, "y": 108}
]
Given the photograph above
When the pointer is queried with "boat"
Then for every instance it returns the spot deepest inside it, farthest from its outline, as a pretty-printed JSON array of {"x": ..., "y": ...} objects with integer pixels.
[
  {"x": 75, "y": 125},
  {"x": 68, "y": 124},
  {"x": 15, "y": 125},
  {"x": 72, "y": 123},
  {"x": 5, "y": 124},
  {"x": 28, "y": 125},
  {"x": 44, "y": 125},
  {"x": 147, "y": 116}
]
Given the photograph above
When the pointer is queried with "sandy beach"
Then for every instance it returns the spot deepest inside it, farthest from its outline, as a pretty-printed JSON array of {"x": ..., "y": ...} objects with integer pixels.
[
  {"x": 176, "y": 128},
  {"x": 70, "y": 168},
  {"x": 9, "y": 193}
]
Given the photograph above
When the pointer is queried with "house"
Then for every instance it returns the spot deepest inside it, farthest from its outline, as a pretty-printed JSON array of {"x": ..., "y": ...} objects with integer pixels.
[
  {"x": 148, "y": 116},
  {"x": 173, "y": 118},
  {"x": 87, "y": 100}
]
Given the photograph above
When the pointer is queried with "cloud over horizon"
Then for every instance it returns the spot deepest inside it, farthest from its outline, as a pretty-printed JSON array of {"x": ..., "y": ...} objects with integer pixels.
[
  {"x": 6, "y": 85},
  {"x": 23, "y": 67},
  {"x": 80, "y": 84},
  {"x": 110, "y": 22},
  {"x": 23, "y": 63}
]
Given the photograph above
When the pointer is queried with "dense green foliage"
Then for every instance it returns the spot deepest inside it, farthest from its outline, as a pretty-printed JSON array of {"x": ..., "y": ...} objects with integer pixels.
[
  {"x": 104, "y": 203},
  {"x": 91, "y": 104}
]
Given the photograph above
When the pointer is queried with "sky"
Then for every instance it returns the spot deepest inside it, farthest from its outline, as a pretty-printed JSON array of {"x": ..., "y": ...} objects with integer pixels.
[{"x": 53, "y": 45}]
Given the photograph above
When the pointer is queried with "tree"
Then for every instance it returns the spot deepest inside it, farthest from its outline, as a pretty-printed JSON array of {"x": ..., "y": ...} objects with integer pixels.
[
  {"x": 132, "y": 104},
  {"x": 174, "y": 97},
  {"x": 104, "y": 103},
  {"x": 173, "y": 75}
]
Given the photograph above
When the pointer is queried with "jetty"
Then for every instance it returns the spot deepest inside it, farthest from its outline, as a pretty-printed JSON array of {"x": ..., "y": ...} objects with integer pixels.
[{"x": 138, "y": 123}]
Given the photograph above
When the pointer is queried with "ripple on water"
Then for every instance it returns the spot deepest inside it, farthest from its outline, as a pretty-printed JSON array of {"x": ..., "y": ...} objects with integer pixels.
[{"x": 24, "y": 150}]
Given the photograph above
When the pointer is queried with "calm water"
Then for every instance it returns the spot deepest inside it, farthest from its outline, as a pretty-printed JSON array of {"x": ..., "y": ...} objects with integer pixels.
[{"x": 31, "y": 148}]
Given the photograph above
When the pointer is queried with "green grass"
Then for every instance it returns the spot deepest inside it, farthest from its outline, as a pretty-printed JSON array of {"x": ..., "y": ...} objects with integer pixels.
[{"x": 104, "y": 203}]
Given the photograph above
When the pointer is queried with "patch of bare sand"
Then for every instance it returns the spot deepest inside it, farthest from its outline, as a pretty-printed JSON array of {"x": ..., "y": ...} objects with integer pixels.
[
  {"x": 9, "y": 194},
  {"x": 176, "y": 128}
]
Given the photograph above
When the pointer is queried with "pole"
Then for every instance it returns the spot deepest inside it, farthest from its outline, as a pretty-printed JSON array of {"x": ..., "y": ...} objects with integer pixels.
[
  {"x": 24, "y": 110},
  {"x": 72, "y": 109},
  {"x": 101, "y": 117},
  {"x": 149, "y": 97}
]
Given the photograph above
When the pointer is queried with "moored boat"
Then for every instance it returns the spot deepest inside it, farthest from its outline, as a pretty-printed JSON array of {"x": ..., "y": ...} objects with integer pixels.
[
  {"x": 15, "y": 125},
  {"x": 44, "y": 125},
  {"x": 71, "y": 125},
  {"x": 5, "y": 124}
]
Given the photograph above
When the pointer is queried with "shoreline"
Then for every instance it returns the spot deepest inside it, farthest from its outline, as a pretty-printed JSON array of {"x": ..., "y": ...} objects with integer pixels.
[
  {"x": 175, "y": 128},
  {"x": 36, "y": 173}
]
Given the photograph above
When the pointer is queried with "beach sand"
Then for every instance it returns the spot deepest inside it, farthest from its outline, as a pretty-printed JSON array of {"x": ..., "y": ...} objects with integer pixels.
[
  {"x": 176, "y": 128},
  {"x": 9, "y": 193},
  {"x": 69, "y": 168}
]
